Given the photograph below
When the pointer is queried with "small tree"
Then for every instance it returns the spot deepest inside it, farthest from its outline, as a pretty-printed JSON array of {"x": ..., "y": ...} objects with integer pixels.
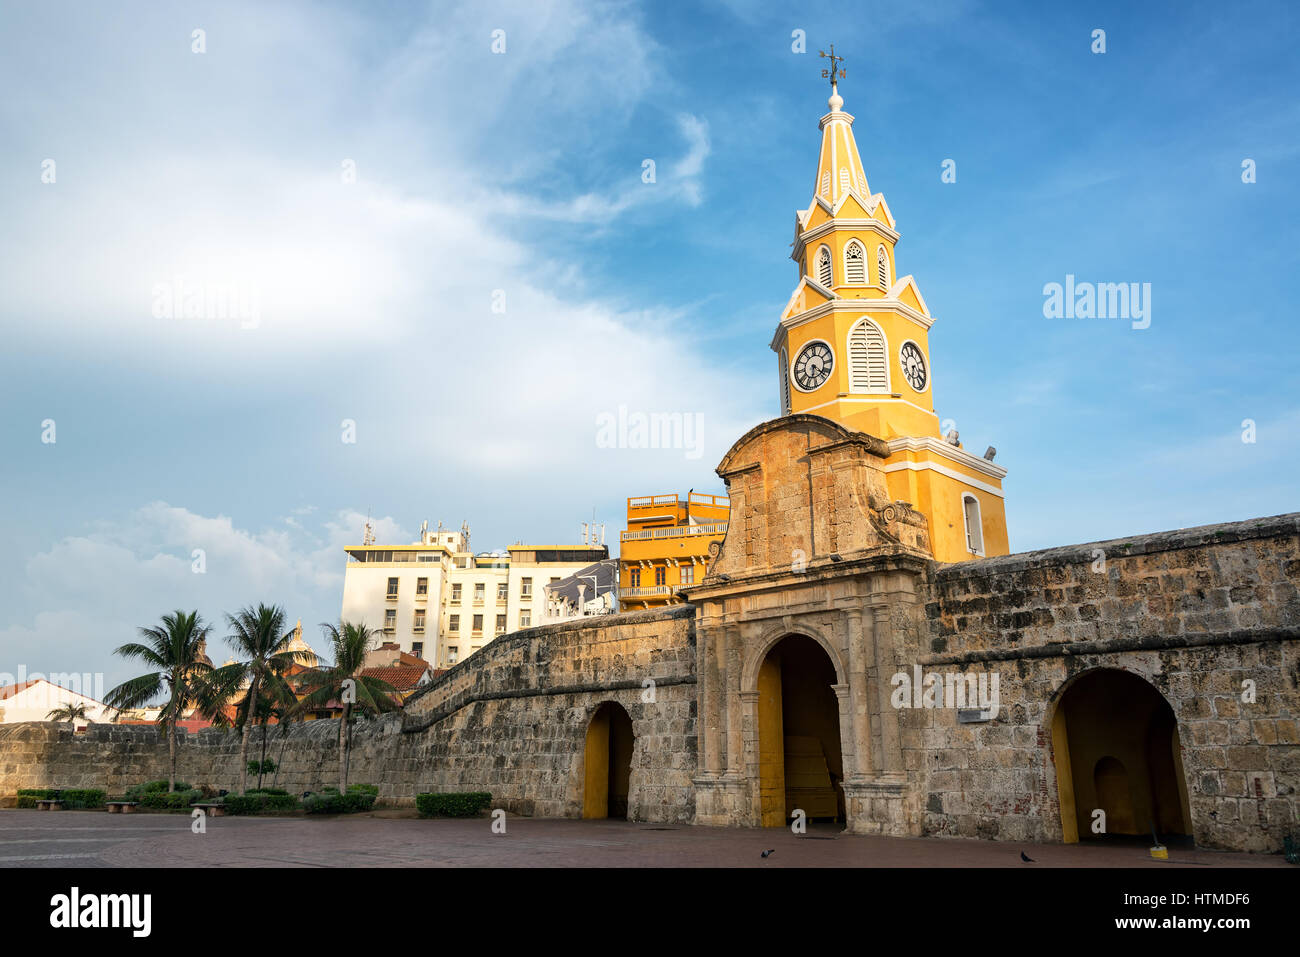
[
  {"x": 68, "y": 712},
  {"x": 175, "y": 652},
  {"x": 343, "y": 683}
]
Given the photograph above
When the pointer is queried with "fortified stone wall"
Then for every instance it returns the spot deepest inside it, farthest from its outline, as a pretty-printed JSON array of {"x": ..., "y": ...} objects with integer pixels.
[
  {"x": 1195, "y": 613},
  {"x": 511, "y": 720}
]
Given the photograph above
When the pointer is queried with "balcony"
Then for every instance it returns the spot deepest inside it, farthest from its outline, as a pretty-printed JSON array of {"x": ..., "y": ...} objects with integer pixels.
[
  {"x": 674, "y": 531},
  {"x": 646, "y": 591}
]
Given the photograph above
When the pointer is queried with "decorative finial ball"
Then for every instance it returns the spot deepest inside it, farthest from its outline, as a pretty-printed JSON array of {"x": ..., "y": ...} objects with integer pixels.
[{"x": 835, "y": 102}]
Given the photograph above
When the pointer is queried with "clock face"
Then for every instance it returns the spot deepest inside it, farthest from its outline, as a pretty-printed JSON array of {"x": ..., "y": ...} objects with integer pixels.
[
  {"x": 813, "y": 366},
  {"x": 913, "y": 365}
]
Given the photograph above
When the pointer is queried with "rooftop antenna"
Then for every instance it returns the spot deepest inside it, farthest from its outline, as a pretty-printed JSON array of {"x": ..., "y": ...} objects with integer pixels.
[{"x": 368, "y": 536}]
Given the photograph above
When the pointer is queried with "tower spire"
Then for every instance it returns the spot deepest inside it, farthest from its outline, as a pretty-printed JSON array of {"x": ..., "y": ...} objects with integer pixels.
[{"x": 835, "y": 73}]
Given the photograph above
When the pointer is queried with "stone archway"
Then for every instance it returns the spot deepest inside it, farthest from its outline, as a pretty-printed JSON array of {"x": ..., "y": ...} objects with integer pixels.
[
  {"x": 607, "y": 763},
  {"x": 1117, "y": 751},
  {"x": 800, "y": 763}
]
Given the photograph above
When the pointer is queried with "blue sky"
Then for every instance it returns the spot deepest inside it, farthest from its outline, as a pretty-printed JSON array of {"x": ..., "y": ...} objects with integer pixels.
[{"x": 522, "y": 172}]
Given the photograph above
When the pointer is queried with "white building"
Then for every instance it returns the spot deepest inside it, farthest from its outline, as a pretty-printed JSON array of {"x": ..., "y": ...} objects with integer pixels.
[
  {"x": 33, "y": 701},
  {"x": 439, "y": 601}
]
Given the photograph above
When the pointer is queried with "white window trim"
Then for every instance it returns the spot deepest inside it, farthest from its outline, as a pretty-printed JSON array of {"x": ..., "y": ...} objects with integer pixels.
[
  {"x": 929, "y": 373},
  {"x": 830, "y": 262},
  {"x": 889, "y": 374},
  {"x": 783, "y": 361},
  {"x": 834, "y": 362},
  {"x": 848, "y": 282},
  {"x": 965, "y": 521}
]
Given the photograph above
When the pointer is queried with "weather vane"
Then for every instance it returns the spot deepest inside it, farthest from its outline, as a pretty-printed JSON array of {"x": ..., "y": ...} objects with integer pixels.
[{"x": 836, "y": 72}]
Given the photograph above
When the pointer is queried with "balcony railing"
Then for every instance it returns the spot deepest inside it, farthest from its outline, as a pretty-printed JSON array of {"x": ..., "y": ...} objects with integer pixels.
[
  {"x": 673, "y": 531},
  {"x": 645, "y": 591}
]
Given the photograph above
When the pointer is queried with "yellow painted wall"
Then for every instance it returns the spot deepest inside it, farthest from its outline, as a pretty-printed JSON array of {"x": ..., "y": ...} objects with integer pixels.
[{"x": 595, "y": 787}]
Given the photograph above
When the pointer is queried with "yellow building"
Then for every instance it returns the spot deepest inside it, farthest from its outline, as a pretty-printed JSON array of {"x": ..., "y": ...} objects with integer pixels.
[
  {"x": 666, "y": 546},
  {"x": 853, "y": 345}
]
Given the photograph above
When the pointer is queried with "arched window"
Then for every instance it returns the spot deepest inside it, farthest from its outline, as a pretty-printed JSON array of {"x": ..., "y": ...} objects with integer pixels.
[
  {"x": 882, "y": 268},
  {"x": 844, "y": 179},
  {"x": 824, "y": 266},
  {"x": 784, "y": 371},
  {"x": 855, "y": 263},
  {"x": 826, "y": 185},
  {"x": 970, "y": 507},
  {"x": 868, "y": 358}
]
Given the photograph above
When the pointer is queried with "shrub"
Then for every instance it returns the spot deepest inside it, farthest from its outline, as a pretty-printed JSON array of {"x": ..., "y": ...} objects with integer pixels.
[
  {"x": 454, "y": 804},
  {"x": 27, "y": 797},
  {"x": 87, "y": 800},
  {"x": 360, "y": 797},
  {"x": 261, "y": 767},
  {"x": 136, "y": 792},
  {"x": 278, "y": 791},
  {"x": 168, "y": 800},
  {"x": 259, "y": 802}
]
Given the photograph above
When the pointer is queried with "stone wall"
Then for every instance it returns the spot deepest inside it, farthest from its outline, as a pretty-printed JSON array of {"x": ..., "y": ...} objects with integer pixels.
[
  {"x": 511, "y": 720},
  {"x": 1194, "y": 612}
]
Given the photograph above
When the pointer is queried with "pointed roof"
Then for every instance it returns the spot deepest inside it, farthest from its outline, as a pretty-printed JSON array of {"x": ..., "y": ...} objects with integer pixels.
[{"x": 839, "y": 165}]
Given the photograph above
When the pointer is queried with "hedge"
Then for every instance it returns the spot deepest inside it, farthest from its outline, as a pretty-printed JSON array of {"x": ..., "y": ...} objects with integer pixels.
[
  {"x": 167, "y": 800},
  {"x": 77, "y": 799},
  {"x": 360, "y": 797},
  {"x": 259, "y": 802},
  {"x": 138, "y": 791},
  {"x": 453, "y": 804}
]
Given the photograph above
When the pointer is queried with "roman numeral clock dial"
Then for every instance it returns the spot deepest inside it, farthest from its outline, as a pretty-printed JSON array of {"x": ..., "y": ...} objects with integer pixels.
[
  {"x": 913, "y": 365},
  {"x": 813, "y": 366}
]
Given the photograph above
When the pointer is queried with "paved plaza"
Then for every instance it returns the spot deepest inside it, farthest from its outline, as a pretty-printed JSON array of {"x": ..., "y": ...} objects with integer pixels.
[{"x": 388, "y": 838}]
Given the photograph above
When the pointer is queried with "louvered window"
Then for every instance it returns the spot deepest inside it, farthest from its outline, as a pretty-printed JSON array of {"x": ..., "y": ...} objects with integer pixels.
[
  {"x": 868, "y": 358},
  {"x": 844, "y": 179},
  {"x": 826, "y": 185},
  {"x": 974, "y": 528},
  {"x": 824, "y": 267},
  {"x": 882, "y": 268},
  {"x": 855, "y": 263}
]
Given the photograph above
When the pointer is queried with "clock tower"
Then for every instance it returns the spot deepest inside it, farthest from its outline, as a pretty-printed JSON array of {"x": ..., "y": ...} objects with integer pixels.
[{"x": 853, "y": 345}]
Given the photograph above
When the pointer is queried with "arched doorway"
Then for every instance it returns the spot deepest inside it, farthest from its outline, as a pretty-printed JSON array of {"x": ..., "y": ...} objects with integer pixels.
[
  {"x": 607, "y": 764},
  {"x": 1117, "y": 751},
  {"x": 800, "y": 765}
]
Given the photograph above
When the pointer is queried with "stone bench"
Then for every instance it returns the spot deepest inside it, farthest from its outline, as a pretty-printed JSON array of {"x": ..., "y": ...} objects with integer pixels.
[
  {"x": 212, "y": 810},
  {"x": 49, "y": 804},
  {"x": 121, "y": 807}
]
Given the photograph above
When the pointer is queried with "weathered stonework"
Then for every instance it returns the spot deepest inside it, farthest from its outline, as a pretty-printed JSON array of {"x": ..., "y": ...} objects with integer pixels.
[{"x": 815, "y": 549}]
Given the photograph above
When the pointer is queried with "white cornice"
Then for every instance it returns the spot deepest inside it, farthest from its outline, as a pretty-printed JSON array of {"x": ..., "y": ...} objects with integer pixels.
[
  {"x": 859, "y": 306},
  {"x": 946, "y": 450},
  {"x": 833, "y": 225},
  {"x": 951, "y": 473}
]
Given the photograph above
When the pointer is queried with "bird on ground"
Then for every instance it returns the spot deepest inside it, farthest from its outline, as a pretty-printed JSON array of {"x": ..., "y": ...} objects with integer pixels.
[
  {"x": 1026, "y": 858},
  {"x": 772, "y": 851}
]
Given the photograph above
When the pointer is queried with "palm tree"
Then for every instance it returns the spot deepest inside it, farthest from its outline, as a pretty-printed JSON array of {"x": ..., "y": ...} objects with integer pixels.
[
  {"x": 344, "y": 682},
  {"x": 260, "y": 639},
  {"x": 276, "y": 700},
  {"x": 175, "y": 652},
  {"x": 68, "y": 712}
]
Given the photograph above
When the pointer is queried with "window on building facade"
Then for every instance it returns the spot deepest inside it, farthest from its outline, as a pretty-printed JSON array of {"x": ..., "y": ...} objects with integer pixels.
[
  {"x": 974, "y": 529},
  {"x": 661, "y": 575},
  {"x": 479, "y": 591},
  {"x": 868, "y": 358},
  {"x": 634, "y": 577},
  {"x": 455, "y": 594},
  {"x": 855, "y": 263},
  {"x": 422, "y": 586},
  {"x": 824, "y": 275},
  {"x": 419, "y": 619},
  {"x": 525, "y": 588},
  {"x": 688, "y": 574},
  {"x": 503, "y": 591},
  {"x": 453, "y": 623},
  {"x": 417, "y": 649},
  {"x": 501, "y": 624},
  {"x": 478, "y": 624},
  {"x": 525, "y": 618},
  {"x": 453, "y": 654},
  {"x": 390, "y": 619},
  {"x": 392, "y": 588},
  {"x": 882, "y": 268}
]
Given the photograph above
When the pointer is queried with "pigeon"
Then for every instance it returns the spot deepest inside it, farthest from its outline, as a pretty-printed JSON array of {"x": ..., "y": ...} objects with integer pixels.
[
  {"x": 1026, "y": 858},
  {"x": 772, "y": 851}
]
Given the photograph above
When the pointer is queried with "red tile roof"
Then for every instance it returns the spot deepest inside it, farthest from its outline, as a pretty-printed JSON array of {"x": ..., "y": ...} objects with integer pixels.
[
  {"x": 8, "y": 691},
  {"x": 403, "y": 677}
]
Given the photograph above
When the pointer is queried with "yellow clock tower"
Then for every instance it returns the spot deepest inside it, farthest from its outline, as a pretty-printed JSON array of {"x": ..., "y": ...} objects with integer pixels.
[{"x": 853, "y": 345}]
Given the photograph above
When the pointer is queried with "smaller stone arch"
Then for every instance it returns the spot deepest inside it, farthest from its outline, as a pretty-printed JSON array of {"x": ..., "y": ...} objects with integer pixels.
[{"x": 608, "y": 748}]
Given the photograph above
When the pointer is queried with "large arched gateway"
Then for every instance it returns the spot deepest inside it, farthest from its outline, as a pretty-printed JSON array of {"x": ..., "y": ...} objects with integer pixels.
[
  {"x": 800, "y": 762},
  {"x": 1119, "y": 768}
]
